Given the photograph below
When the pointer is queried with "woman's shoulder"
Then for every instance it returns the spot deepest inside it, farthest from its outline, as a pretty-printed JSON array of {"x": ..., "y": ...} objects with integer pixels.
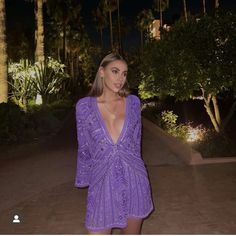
[
  {"x": 135, "y": 99},
  {"x": 83, "y": 104}
]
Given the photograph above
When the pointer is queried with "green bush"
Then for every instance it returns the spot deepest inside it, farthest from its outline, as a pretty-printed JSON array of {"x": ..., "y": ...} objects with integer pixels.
[
  {"x": 13, "y": 122},
  {"x": 16, "y": 126},
  {"x": 215, "y": 145},
  {"x": 169, "y": 123}
]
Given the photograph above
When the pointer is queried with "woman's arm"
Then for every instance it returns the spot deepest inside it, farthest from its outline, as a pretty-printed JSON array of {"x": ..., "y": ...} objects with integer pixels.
[{"x": 83, "y": 155}]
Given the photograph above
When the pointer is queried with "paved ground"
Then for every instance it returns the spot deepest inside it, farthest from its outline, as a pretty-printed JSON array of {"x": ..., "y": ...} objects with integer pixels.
[{"x": 37, "y": 183}]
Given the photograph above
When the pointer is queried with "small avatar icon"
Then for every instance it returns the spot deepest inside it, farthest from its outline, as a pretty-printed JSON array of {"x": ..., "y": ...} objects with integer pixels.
[{"x": 16, "y": 219}]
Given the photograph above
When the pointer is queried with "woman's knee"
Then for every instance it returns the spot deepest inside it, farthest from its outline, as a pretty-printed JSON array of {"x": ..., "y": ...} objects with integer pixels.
[{"x": 106, "y": 231}]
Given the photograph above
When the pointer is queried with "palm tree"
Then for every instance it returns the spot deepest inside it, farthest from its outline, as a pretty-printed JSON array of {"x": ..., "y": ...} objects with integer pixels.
[
  {"x": 100, "y": 20},
  {"x": 39, "y": 34},
  {"x": 58, "y": 10},
  {"x": 3, "y": 55},
  {"x": 160, "y": 6},
  {"x": 39, "y": 31},
  {"x": 119, "y": 28},
  {"x": 64, "y": 13},
  {"x": 110, "y": 6},
  {"x": 204, "y": 6},
  {"x": 144, "y": 20},
  {"x": 185, "y": 10},
  {"x": 123, "y": 28}
]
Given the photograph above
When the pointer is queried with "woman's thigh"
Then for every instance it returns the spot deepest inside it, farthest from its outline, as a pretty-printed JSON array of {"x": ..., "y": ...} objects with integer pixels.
[{"x": 133, "y": 226}]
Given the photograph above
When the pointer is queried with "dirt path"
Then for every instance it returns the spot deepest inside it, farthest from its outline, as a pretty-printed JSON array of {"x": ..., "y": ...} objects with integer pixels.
[{"x": 37, "y": 183}]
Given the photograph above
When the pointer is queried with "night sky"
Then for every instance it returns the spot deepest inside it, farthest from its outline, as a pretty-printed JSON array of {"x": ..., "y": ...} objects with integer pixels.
[{"x": 22, "y": 12}]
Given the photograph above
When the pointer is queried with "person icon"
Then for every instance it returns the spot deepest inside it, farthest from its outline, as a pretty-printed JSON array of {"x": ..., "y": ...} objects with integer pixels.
[{"x": 16, "y": 219}]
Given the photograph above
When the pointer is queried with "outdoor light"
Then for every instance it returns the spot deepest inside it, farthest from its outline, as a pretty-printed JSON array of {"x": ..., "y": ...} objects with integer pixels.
[
  {"x": 195, "y": 134},
  {"x": 38, "y": 99}
]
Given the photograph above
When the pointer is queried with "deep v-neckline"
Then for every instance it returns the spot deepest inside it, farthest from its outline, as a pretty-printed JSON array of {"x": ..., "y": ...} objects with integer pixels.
[{"x": 103, "y": 125}]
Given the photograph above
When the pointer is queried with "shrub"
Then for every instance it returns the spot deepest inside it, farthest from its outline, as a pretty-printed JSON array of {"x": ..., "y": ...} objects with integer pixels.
[{"x": 169, "y": 123}]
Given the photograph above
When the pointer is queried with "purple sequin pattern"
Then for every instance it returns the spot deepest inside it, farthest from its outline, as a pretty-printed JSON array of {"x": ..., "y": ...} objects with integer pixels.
[{"x": 115, "y": 174}]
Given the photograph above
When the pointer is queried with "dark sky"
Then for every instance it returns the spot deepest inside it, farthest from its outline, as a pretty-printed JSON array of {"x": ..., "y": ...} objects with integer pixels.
[{"x": 21, "y": 12}]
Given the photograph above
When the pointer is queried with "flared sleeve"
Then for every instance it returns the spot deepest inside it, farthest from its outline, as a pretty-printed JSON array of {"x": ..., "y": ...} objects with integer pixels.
[
  {"x": 83, "y": 154},
  {"x": 138, "y": 126}
]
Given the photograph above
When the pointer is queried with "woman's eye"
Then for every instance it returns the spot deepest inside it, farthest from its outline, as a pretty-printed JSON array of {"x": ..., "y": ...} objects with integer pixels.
[{"x": 115, "y": 71}]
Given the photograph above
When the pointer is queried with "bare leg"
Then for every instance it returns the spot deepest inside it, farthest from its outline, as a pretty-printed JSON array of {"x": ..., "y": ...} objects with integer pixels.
[
  {"x": 133, "y": 226},
  {"x": 107, "y": 231}
]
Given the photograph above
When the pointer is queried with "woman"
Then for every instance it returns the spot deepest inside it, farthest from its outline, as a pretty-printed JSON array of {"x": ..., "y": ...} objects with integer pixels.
[{"x": 109, "y": 153}]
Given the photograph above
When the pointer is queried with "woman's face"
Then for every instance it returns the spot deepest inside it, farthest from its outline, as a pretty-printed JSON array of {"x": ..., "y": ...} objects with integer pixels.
[{"x": 114, "y": 75}]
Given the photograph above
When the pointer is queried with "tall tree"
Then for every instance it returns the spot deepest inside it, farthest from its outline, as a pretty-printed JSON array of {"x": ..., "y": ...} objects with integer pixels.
[
  {"x": 110, "y": 6},
  {"x": 3, "y": 55},
  {"x": 200, "y": 68},
  {"x": 65, "y": 14},
  {"x": 119, "y": 28},
  {"x": 185, "y": 10},
  {"x": 144, "y": 20},
  {"x": 39, "y": 33},
  {"x": 160, "y": 6},
  {"x": 99, "y": 17},
  {"x": 204, "y": 6}
]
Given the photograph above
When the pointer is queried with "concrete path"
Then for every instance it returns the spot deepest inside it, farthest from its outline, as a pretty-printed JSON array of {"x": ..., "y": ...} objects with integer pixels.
[{"x": 37, "y": 183}]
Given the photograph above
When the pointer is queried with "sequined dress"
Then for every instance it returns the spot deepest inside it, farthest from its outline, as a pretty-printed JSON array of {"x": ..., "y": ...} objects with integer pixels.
[{"x": 115, "y": 174}]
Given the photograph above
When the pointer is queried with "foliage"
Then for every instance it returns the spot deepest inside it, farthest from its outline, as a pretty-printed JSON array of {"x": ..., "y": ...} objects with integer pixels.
[
  {"x": 215, "y": 145},
  {"x": 17, "y": 126},
  {"x": 161, "y": 5},
  {"x": 194, "y": 60},
  {"x": 13, "y": 122},
  {"x": 21, "y": 82},
  {"x": 169, "y": 123},
  {"x": 44, "y": 78},
  {"x": 144, "y": 19},
  {"x": 48, "y": 78},
  {"x": 207, "y": 141}
]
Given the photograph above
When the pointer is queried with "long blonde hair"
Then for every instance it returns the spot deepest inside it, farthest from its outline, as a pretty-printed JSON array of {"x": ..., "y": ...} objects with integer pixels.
[{"x": 97, "y": 86}]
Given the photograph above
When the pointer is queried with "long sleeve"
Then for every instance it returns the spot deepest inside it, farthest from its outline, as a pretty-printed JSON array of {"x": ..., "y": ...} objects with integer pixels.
[
  {"x": 138, "y": 124},
  {"x": 83, "y": 155}
]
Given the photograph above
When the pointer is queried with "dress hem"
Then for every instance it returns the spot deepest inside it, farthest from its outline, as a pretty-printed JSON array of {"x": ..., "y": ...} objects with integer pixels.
[{"x": 117, "y": 225}]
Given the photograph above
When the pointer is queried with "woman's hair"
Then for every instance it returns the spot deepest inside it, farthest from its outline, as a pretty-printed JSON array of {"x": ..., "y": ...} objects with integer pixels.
[{"x": 97, "y": 86}]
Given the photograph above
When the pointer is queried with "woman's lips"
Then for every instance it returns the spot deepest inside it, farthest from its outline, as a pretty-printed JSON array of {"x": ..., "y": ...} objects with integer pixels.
[{"x": 117, "y": 85}]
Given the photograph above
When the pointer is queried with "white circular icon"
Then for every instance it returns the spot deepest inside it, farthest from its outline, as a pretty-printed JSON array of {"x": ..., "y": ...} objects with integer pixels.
[{"x": 16, "y": 219}]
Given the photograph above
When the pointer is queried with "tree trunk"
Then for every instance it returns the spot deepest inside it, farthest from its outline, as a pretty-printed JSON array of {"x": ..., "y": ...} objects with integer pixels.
[
  {"x": 119, "y": 31},
  {"x": 216, "y": 4},
  {"x": 39, "y": 52},
  {"x": 216, "y": 110},
  {"x": 72, "y": 69},
  {"x": 24, "y": 104},
  {"x": 58, "y": 54},
  {"x": 141, "y": 35},
  {"x": 111, "y": 33},
  {"x": 160, "y": 7},
  {"x": 3, "y": 56},
  {"x": 207, "y": 105},
  {"x": 211, "y": 115},
  {"x": 64, "y": 43},
  {"x": 204, "y": 6},
  {"x": 185, "y": 11},
  {"x": 101, "y": 38}
]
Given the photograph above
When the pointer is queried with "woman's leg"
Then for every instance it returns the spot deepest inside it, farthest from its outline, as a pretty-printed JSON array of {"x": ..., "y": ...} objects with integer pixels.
[
  {"x": 106, "y": 231},
  {"x": 133, "y": 226}
]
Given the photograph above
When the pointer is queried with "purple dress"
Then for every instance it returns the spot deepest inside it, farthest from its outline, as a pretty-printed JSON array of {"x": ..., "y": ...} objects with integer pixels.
[{"x": 114, "y": 172}]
